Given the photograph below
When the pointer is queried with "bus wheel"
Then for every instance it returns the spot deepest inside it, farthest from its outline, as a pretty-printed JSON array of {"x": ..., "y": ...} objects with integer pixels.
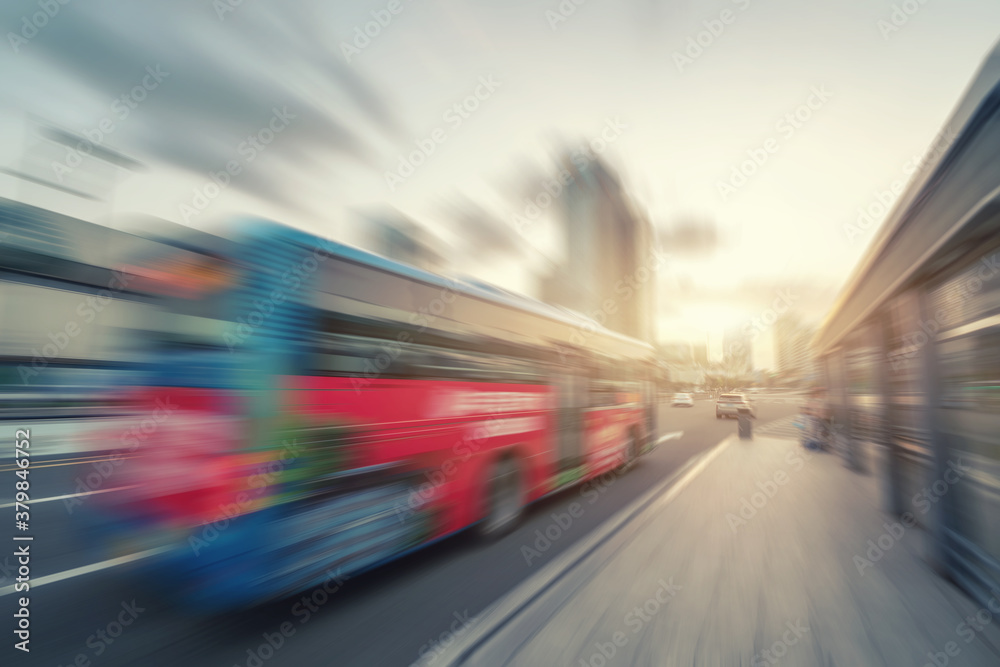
[{"x": 504, "y": 500}]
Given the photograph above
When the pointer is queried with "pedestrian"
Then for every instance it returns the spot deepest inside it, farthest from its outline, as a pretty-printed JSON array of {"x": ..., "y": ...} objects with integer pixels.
[{"x": 805, "y": 424}]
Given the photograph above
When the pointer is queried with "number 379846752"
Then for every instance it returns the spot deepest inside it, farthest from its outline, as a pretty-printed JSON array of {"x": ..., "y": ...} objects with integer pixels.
[{"x": 22, "y": 443}]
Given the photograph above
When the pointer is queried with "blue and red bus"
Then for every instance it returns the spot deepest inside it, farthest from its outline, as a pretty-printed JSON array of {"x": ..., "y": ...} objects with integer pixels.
[{"x": 312, "y": 408}]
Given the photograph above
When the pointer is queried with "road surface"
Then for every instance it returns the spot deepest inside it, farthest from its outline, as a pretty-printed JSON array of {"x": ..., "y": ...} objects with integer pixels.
[{"x": 98, "y": 614}]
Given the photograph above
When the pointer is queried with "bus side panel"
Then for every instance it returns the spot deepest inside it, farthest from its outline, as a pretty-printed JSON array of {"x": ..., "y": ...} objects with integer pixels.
[
  {"x": 608, "y": 433},
  {"x": 448, "y": 433},
  {"x": 528, "y": 437}
]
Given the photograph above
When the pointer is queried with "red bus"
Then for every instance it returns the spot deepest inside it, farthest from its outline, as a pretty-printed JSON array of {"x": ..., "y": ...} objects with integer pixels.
[{"x": 311, "y": 408}]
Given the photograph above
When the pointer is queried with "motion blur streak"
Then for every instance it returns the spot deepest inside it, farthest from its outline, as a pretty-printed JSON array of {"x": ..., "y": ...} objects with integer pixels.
[
  {"x": 289, "y": 402},
  {"x": 396, "y": 332}
]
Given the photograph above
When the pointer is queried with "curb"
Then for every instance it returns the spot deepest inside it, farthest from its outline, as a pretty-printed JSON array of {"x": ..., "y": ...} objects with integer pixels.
[{"x": 507, "y": 608}]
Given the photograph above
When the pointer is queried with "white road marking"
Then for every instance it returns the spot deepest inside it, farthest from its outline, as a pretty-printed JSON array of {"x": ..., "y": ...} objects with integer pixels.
[
  {"x": 122, "y": 560},
  {"x": 676, "y": 435},
  {"x": 695, "y": 470},
  {"x": 87, "y": 569},
  {"x": 70, "y": 495},
  {"x": 513, "y": 603}
]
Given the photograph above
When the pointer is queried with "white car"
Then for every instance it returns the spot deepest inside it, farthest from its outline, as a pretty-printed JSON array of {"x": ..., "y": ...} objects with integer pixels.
[
  {"x": 729, "y": 405},
  {"x": 683, "y": 401}
]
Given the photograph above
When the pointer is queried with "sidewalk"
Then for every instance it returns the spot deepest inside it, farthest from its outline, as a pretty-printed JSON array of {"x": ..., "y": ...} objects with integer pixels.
[{"x": 761, "y": 558}]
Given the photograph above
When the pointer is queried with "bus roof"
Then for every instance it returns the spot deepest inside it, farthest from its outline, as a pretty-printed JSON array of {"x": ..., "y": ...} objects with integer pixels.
[{"x": 370, "y": 286}]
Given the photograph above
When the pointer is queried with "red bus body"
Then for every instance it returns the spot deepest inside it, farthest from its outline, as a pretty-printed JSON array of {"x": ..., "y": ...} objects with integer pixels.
[{"x": 338, "y": 422}]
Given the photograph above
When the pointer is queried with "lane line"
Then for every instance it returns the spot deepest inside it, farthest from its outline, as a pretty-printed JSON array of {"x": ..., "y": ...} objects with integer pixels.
[
  {"x": 58, "y": 463},
  {"x": 122, "y": 560},
  {"x": 676, "y": 435},
  {"x": 511, "y": 604},
  {"x": 71, "y": 495},
  {"x": 696, "y": 469},
  {"x": 87, "y": 569}
]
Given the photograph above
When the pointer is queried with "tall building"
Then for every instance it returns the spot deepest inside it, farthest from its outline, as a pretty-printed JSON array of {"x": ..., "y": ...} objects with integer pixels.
[
  {"x": 610, "y": 271},
  {"x": 791, "y": 346},
  {"x": 700, "y": 353},
  {"x": 676, "y": 353},
  {"x": 737, "y": 351}
]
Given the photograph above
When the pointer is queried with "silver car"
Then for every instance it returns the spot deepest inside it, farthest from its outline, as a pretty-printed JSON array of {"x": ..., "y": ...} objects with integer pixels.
[
  {"x": 683, "y": 401},
  {"x": 728, "y": 405}
]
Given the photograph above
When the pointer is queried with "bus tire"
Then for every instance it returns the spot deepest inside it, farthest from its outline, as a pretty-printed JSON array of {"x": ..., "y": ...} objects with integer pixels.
[{"x": 504, "y": 499}]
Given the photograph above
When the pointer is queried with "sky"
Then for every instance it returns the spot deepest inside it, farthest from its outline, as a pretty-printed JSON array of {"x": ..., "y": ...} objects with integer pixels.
[{"x": 684, "y": 92}]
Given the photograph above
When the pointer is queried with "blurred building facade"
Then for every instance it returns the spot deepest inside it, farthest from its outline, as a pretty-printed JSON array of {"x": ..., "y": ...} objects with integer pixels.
[
  {"x": 68, "y": 316},
  {"x": 737, "y": 351},
  {"x": 610, "y": 270},
  {"x": 676, "y": 353},
  {"x": 792, "y": 351},
  {"x": 911, "y": 351},
  {"x": 684, "y": 372},
  {"x": 700, "y": 353}
]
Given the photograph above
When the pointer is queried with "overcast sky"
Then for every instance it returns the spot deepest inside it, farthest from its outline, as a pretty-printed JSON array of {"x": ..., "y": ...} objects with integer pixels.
[{"x": 876, "y": 92}]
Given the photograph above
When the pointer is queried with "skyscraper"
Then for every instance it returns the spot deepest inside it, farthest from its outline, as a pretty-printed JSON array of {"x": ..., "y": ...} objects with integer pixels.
[
  {"x": 677, "y": 353},
  {"x": 737, "y": 351},
  {"x": 610, "y": 271},
  {"x": 700, "y": 353},
  {"x": 791, "y": 346}
]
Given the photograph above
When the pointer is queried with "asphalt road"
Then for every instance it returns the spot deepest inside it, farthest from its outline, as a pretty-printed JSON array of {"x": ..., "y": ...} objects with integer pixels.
[{"x": 387, "y": 617}]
